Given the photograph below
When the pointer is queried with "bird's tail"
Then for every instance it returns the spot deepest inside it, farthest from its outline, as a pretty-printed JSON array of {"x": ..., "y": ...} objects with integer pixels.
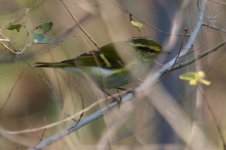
[{"x": 54, "y": 64}]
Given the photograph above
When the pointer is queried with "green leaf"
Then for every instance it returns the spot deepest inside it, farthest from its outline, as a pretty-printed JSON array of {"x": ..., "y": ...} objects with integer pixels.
[
  {"x": 16, "y": 27},
  {"x": 137, "y": 24},
  {"x": 38, "y": 38},
  {"x": 39, "y": 32},
  {"x": 45, "y": 27},
  {"x": 195, "y": 77}
]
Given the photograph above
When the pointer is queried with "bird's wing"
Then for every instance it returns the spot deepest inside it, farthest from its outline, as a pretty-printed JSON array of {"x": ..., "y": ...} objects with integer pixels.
[{"x": 106, "y": 57}]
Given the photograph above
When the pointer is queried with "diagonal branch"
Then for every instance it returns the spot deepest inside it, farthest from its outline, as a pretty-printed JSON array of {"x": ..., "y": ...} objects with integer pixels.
[
  {"x": 215, "y": 48},
  {"x": 214, "y": 27}
]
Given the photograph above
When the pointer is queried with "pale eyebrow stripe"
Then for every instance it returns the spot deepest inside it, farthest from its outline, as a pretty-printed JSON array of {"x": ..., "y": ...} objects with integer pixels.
[{"x": 154, "y": 48}]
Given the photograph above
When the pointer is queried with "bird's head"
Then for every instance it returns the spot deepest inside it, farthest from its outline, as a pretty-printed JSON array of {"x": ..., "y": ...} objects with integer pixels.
[{"x": 146, "y": 48}]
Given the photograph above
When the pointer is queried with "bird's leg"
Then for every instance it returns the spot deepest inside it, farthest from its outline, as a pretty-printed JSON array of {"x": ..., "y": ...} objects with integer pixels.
[
  {"x": 108, "y": 94},
  {"x": 128, "y": 90},
  {"x": 113, "y": 98},
  {"x": 123, "y": 89},
  {"x": 120, "y": 98}
]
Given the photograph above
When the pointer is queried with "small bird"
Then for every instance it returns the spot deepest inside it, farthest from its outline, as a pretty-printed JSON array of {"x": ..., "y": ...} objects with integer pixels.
[{"x": 107, "y": 68}]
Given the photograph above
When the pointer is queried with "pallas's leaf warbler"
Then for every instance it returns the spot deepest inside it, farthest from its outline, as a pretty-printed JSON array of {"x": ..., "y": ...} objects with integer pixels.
[{"x": 107, "y": 68}]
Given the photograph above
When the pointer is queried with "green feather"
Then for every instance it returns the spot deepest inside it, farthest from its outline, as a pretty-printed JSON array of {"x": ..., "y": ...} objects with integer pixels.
[{"x": 106, "y": 67}]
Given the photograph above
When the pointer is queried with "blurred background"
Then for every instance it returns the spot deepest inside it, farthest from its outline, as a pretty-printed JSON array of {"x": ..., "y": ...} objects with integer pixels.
[{"x": 32, "y": 97}]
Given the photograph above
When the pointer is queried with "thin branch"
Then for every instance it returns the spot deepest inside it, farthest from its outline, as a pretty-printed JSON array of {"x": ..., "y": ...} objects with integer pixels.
[
  {"x": 181, "y": 65},
  {"x": 15, "y": 50},
  {"x": 11, "y": 91},
  {"x": 60, "y": 39},
  {"x": 87, "y": 35},
  {"x": 181, "y": 45},
  {"x": 66, "y": 119},
  {"x": 83, "y": 107},
  {"x": 94, "y": 116},
  {"x": 141, "y": 20},
  {"x": 220, "y": 132},
  {"x": 218, "y": 2},
  {"x": 27, "y": 11},
  {"x": 55, "y": 96},
  {"x": 4, "y": 40},
  {"x": 214, "y": 27},
  {"x": 184, "y": 51},
  {"x": 79, "y": 26},
  {"x": 42, "y": 135}
]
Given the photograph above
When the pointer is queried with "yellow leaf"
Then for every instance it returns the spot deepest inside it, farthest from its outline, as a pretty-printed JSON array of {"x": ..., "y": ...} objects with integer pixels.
[
  {"x": 203, "y": 81},
  {"x": 195, "y": 77},
  {"x": 137, "y": 24}
]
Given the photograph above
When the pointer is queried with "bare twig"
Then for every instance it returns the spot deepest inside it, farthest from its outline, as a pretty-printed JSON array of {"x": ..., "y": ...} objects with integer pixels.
[
  {"x": 83, "y": 122},
  {"x": 218, "y": 2},
  {"x": 42, "y": 135},
  {"x": 4, "y": 40},
  {"x": 83, "y": 107},
  {"x": 66, "y": 119},
  {"x": 181, "y": 45},
  {"x": 181, "y": 65},
  {"x": 214, "y": 27},
  {"x": 59, "y": 39},
  {"x": 27, "y": 11},
  {"x": 15, "y": 50},
  {"x": 11, "y": 91},
  {"x": 141, "y": 20},
  {"x": 220, "y": 132},
  {"x": 79, "y": 26},
  {"x": 87, "y": 35}
]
